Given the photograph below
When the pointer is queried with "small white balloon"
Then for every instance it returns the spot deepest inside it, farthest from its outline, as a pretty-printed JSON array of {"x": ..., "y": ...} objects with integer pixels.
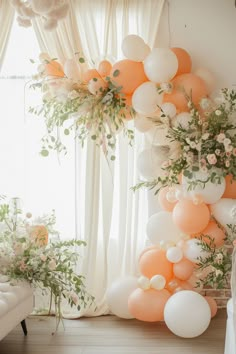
[
  {"x": 169, "y": 109},
  {"x": 118, "y": 293},
  {"x": 174, "y": 254},
  {"x": 161, "y": 65},
  {"x": 224, "y": 211},
  {"x": 158, "y": 282},
  {"x": 145, "y": 99},
  {"x": 193, "y": 250},
  {"x": 187, "y": 314},
  {"x": 144, "y": 282}
]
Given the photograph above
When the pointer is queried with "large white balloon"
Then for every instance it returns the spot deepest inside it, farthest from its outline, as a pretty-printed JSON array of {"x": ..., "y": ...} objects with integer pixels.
[
  {"x": 187, "y": 314},
  {"x": 118, "y": 293},
  {"x": 210, "y": 192},
  {"x": 134, "y": 48},
  {"x": 160, "y": 227},
  {"x": 145, "y": 99},
  {"x": 150, "y": 160},
  {"x": 174, "y": 254},
  {"x": 161, "y": 65},
  {"x": 193, "y": 250},
  {"x": 224, "y": 211},
  {"x": 72, "y": 70}
]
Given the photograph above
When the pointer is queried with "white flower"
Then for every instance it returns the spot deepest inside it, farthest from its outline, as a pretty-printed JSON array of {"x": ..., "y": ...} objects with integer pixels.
[
  {"x": 218, "y": 272},
  {"x": 218, "y": 112},
  {"x": 192, "y": 144},
  {"x": 52, "y": 264},
  {"x": 205, "y": 103},
  {"x": 228, "y": 148},
  {"x": 219, "y": 258},
  {"x": 220, "y": 138},
  {"x": 205, "y": 136},
  {"x": 226, "y": 141},
  {"x": 166, "y": 87}
]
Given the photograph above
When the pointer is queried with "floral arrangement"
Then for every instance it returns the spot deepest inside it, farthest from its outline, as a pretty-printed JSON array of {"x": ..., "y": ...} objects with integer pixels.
[
  {"x": 89, "y": 105},
  {"x": 206, "y": 143},
  {"x": 27, "y": 254}
]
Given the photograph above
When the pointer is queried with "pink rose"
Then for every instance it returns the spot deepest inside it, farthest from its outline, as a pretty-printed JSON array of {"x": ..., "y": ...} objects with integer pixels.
[{"x": 211, "y": 158}]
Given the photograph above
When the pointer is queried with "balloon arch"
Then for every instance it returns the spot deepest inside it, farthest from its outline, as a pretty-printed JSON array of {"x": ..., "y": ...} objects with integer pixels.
[{"x": 191, "y": 163}]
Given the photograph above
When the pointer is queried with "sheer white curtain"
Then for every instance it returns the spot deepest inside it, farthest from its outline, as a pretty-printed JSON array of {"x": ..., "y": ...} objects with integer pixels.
[
  {"x": 109, "y": 216},
  {"x": 6, "y": 19}
]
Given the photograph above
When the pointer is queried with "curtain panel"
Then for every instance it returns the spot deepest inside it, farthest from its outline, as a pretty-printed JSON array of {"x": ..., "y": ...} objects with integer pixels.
[{"x": 6, "y": 19}]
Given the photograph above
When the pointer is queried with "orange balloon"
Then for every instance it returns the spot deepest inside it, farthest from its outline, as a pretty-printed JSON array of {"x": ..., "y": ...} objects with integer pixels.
[
  {"x": 191, "y": 218},
  {"x": 128, "y": 100},
  {"x": 104, "y": 68},
  {"x": 91, "y": 74},
  {"x": 53, "y": 68},
  {"x": 230, "y": 189},
  {"x": 213, "y": 305},
  {"x": 128, "y": 74},
  {"x": 148, "y": 305},
  {"x": 215, "y": 233},
  {"x": 39, "y": 234},
  {"x": 186, "y": 84},
  {"x": 154, "y": 262},
  {"x": 184, "y": 61},
  {"x": 164, "y": 203},
  {"x": 183, "y": 269},
  {"x": 185, "y": 285}
]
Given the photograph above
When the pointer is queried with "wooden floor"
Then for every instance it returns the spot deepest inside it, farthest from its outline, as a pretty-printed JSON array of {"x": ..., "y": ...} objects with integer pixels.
[{"x": 111, "y": 335}]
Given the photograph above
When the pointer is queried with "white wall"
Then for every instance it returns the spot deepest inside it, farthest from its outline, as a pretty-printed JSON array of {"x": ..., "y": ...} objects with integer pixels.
[{"x": 207, "y": 30}]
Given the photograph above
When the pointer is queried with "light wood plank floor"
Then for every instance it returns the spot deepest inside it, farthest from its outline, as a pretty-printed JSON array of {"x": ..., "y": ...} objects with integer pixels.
[{"x": 111, "y": 335}]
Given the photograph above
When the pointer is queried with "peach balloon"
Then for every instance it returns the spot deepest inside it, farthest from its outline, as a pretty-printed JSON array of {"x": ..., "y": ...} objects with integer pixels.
[
  {"x": 90, "y": 74},
  {"x": 213, "y": 305},
  {"x": 189, "y": 217},
  {"x": 230, "y": 189},
  {"x": 128, "y": 100},
  {"x": 154, "y": 262},
  {"x": 164, "y": 203},
  {"x": 214, "y": 232},
  {"x": 183, "y": 269},
  {"x": 148, "y": 305},
  {"x": 128, "y": 74},
  {"x": 186, "y": 84},
  {"x": 53, "y": 68},
  {"x": 184, "y": 61},
  {"x": 104, "y": 68}
]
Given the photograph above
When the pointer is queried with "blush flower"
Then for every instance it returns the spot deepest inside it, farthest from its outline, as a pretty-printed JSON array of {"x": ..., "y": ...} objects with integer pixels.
[
  {"x": 211, "y": 158},
  {"x": 220, "y": 138}
]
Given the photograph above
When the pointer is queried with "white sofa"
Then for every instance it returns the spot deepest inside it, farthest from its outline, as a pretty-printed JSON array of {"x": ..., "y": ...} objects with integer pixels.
[
  {"x": 16, "y": 303},
  {"x": 230, "y": 337}
]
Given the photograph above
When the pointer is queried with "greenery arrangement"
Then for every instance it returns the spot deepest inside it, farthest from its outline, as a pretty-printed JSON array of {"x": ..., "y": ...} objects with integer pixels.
[
  {"x": 95, "y": 110},
  {"x": 26, "y": 254}
]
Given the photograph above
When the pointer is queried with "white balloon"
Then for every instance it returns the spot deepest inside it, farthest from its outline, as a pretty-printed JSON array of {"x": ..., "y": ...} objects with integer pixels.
[
  {"x": 187, "y": 314},
  {"x": 158, "y": 135},
  {"x": 207, "y": 77},
  {"x": 224, "y": 211},
  {"x": 72, "y": 70},
  {"x": 211, "y": 193},
  {"x": 182, "y": 119},
  {"x": 144, "y": 282},
  {"x": 169, "y": 109},
  {"x": 146, "y": 98},
  {"x": 142, "y": 123},
  {"x": 160, "y": 227},
  {"x": 158, "y": 282},
  {"x": 161, "y": 65},
  {"x": 174, "y": 254},
  {"x": 118, "y": 293},
  {"x": 193, "y": 250},
  {"x": 134, "y": 48},
  {"x": 150, "y": 160}
]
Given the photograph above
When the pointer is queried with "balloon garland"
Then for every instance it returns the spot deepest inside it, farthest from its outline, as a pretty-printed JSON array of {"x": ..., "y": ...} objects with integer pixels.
[{"x": 190, "y": 161}]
